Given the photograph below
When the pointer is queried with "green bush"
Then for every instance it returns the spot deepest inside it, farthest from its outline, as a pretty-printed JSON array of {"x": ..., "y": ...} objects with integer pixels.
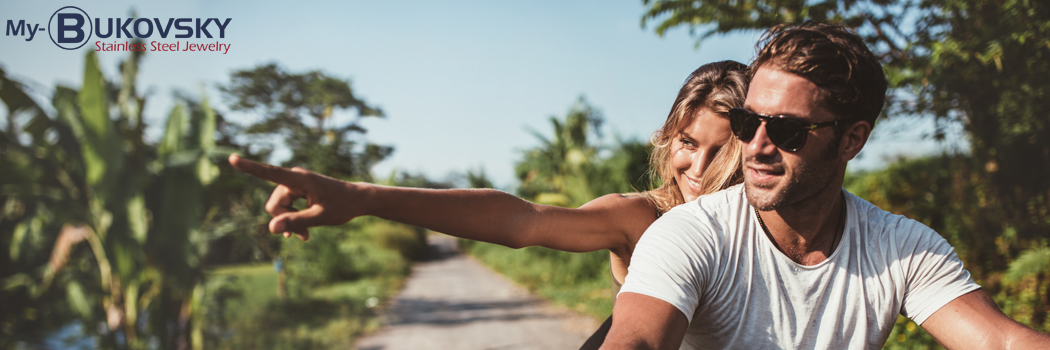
[
  {"x": 250, "y": 316},
  {"x": 579, "y": 281},
  {"x": 410, "y": 241},
  {"x": 361, "y": 249},
  {"x": 947, "y": 193},
  {"x": 334, "y": 282},
  {"x": 569, "y": 169}
]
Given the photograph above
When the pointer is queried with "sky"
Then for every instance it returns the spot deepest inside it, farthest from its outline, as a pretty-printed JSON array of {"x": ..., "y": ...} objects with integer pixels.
[{"x": 461, "y": 82}]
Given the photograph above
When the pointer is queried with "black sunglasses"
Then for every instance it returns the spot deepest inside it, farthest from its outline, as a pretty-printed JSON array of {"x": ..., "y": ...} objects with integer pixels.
[{"x": 787, "y": 133}]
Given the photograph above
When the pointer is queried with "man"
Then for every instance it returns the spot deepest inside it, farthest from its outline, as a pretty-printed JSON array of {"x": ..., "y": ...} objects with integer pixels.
[{"x": 789, "y": 259}]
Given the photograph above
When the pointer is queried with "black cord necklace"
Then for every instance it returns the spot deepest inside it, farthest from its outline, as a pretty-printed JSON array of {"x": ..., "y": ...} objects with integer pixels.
[{"x": 834, "y": 242}]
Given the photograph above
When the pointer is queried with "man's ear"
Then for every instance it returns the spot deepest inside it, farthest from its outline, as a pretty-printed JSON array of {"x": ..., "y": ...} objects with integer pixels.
[{"x": 854, "y": 139}]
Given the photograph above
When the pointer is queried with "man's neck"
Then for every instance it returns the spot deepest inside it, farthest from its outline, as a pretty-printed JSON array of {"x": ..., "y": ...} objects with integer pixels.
[{"x": 808, "y": 231}]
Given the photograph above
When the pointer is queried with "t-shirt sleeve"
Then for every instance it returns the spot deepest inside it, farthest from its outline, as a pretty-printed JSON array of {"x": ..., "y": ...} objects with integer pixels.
[
  {"x": 934, "y": 274},
  {"x": 672, "y": 261}
]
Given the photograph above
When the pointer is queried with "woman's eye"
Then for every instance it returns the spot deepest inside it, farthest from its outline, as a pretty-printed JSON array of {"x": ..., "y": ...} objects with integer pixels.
[{"x": 685, "y": 142}]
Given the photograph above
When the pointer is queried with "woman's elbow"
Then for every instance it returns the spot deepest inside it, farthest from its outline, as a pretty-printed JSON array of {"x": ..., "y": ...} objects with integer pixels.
[{"x": 517, "y": 242}]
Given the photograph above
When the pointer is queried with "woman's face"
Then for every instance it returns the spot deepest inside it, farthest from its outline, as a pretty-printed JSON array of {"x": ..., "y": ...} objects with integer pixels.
[{"x": 695, "y": 147}]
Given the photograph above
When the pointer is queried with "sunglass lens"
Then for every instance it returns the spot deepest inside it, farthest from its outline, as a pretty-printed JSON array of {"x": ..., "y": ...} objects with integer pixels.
[
  {"x": 743, "y": 123},
  {"x": 786, "y": 134}
]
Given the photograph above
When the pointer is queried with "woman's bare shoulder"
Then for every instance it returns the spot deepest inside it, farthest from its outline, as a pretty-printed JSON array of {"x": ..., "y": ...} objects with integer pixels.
[
  {"x": 633, "y": 212},
  {"x": 623, "y": 201}
]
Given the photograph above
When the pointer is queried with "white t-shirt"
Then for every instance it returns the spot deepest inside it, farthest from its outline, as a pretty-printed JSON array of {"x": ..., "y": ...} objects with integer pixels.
[{"x": 711, "y": 260}]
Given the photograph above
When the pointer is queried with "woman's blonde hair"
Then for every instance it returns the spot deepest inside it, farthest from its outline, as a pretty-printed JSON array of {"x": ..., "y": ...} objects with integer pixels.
[{"x": 714, "y": 87}]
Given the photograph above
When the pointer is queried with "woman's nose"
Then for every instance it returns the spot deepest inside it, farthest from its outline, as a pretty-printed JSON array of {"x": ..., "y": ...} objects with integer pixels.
[{"x": 701, "y": 160}]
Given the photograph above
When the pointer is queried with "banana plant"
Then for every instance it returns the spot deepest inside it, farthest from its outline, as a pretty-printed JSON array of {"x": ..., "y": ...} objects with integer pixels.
[{"x": 88, "y": 175}]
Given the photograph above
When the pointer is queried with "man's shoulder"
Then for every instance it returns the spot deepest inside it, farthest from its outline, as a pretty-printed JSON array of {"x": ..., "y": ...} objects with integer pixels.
[
  {"x": 727, "y": 201},
  {"x": 708, "y": 213},
  {"x": 875, "y": 222}
]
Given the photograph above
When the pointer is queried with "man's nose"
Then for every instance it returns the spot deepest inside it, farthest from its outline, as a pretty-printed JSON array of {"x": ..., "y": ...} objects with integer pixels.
[{"x": 761, "y": 144}]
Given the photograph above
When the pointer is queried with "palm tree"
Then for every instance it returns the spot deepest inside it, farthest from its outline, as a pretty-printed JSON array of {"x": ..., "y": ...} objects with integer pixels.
[
  {"x": 573, "y": 168},
  {"x": 1032, "y": 262},
  {"x": 556, "y": 172}
]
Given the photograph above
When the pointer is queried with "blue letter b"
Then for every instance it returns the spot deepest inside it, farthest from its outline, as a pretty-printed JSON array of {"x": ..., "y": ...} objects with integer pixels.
[{"x": 63, "y": 28}]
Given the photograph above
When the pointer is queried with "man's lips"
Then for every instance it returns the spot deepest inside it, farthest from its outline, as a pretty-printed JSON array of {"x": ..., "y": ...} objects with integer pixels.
[{"x": 760, "y": 173}]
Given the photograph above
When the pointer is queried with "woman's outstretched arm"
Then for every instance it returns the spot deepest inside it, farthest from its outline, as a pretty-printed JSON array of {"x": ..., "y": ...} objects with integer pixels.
[{"x": 611, "y": 222}]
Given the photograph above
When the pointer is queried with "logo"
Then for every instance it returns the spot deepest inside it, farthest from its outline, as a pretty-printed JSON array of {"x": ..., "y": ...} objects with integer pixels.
[
  {"x": 71, "y": 28},
  {"x": 66, "y": 28}
]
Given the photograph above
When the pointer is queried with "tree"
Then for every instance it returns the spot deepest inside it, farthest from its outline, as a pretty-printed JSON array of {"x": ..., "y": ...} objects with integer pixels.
[
  {"x": 147, "y": 212},
  {"x": 980, "y": 63},
  {"x": 571, "y": 169},
  {"x": 556, "y": 172},
  {"x": 302, "y": 108},
  {"x": 477, "y": 179}
]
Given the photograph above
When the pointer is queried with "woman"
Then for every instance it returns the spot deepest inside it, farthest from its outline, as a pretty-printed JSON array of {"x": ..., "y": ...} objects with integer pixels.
[{"x": 692, "y": 154}]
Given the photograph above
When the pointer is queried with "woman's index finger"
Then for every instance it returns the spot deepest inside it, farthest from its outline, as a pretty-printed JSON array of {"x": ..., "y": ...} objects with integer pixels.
[{"x": 263, "y": 171}]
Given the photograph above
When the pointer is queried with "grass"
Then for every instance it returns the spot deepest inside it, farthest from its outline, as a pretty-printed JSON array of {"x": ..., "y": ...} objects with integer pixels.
[
  {"x": 257, "y": 284},
  {"x": 334, "y": 283},
  {"x": 578, "y": 281},
  {"x": 332, "y": 316}
]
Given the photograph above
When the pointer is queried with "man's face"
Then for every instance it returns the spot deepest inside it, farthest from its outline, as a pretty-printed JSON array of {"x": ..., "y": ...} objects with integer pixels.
[{"x": 774, "y": 178}]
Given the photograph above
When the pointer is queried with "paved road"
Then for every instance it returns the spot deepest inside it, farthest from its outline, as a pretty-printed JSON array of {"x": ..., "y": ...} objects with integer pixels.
[{"x": 453, "y": 302}]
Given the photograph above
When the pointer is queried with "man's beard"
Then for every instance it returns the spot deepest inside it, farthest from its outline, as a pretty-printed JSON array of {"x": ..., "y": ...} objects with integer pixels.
[{"x": 807, "y": 180}]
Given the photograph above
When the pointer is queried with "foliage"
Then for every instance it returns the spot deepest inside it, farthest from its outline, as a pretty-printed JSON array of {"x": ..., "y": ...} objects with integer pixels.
[
  {"x": 976, "y": 62},
  {"x": 906, "y": 335},
  {"x": 366, "y": 247},
  {"x": 302, "y": 109},
  {"x": 570, "y": 169},
  {"x": 472, "y": 178},
  {"x": 253, "y": 317},
  {"x": 979, "y": 63},
  {"x": 945, "y": 193},
  {"x": 147, "y": 212},
  {"x": 1034, "y": 261},
  {"x": 478, "y": 179},
  {"x": 409, "y": 241},
  {"x": 556, "y": 172},
  {"x": 335, "y": 282},
  {"x": 579, "y": 281},
  {"x": 154, "y": 216},
  {"x": 330, "y": 285},
  {"x": 408, "y": 179}
]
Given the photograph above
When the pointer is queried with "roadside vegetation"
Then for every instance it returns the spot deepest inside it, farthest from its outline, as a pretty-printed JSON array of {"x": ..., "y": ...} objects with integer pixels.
[
  {"x": 569, "y": 169},
  {"x": 976, "y": 64},
  {"x": 115, "y": 241},
  {"x": 334, "y": 286}
]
